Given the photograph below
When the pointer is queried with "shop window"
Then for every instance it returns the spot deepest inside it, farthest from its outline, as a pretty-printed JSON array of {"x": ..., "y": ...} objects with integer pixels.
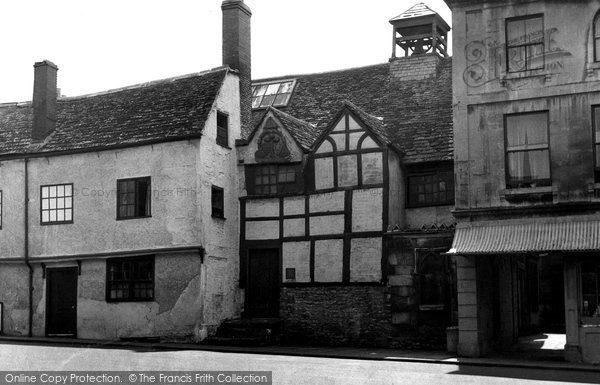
[
  {"x": 430, "y": 188},
  {"x": 525, "y": 43},
  {"x": 133, "y": 198},
  {"x": 130, "y": 279},
  {"x": 57, "y": 204},
  {"x": 590, "y": 290},
  {"x": 527, "y": 150}
]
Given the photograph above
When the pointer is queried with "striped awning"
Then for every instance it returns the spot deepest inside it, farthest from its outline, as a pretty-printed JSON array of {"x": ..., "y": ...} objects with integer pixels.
[{"x": 533, "y": 236}]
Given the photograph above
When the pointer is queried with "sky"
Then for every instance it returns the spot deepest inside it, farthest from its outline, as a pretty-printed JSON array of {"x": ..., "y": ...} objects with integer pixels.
[{"x": 101, "y": 45}]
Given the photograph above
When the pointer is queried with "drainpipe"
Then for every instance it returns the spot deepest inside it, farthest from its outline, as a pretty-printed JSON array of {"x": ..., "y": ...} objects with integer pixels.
[{"x": 26, "y": 246}]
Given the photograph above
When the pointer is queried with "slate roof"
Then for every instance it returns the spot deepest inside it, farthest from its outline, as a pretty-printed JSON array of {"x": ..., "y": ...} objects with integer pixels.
[
  {"x": 152, "y": 112},
  {"x": 417, "y": 114}
]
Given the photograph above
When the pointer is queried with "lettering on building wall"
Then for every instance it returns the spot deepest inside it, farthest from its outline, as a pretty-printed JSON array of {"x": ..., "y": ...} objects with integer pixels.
[{"x": 486, "y": 59}]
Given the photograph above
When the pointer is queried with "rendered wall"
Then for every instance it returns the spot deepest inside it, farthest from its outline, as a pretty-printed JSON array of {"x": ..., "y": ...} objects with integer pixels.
[{"x": 176, "y": 307}]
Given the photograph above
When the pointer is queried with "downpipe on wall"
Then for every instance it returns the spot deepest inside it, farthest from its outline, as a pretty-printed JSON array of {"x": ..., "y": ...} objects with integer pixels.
[{"x": 26, "y": 246}]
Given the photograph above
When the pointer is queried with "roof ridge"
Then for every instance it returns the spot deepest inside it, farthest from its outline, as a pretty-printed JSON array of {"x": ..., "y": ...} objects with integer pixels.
[
  {"x": 319, "y": 73},
  {"x": 291, "y": 116},
  {"x": 380, "y": 119},
  {"x": 146, "y": 84}
]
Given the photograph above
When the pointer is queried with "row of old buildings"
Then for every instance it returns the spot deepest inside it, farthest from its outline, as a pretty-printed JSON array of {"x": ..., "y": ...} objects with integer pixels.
[{"x": 405, "y": 204}]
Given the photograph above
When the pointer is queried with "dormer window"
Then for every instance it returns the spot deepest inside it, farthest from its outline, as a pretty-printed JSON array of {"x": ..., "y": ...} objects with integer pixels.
[{"x": 276, "y": 94}]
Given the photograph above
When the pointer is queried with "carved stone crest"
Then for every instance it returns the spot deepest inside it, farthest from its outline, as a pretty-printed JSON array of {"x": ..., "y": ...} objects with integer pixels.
[{"x": 271, "y": 145}]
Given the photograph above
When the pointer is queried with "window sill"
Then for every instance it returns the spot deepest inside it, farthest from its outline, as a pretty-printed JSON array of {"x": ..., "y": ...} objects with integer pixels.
[
  {"x": 129, "y": 300},
  {"x": 540, "y": 194},
  {"x": 128, "y": 218},
  {"x": 526, "y": 74},
  {"x": 218, "y": 217},
  {"x": 225, "y": 147},
  {"x": 438, "y": 307},
  {"x": 56, "y": 223}
]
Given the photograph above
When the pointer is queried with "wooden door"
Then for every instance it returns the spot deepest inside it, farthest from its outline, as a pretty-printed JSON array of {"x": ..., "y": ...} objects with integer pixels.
[
  {"x": 61, "y": 302},
  {"x": 262, "y": 293}
]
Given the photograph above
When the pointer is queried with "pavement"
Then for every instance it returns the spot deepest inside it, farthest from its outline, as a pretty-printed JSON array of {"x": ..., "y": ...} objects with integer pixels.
[{"x": 513, "y": 360}]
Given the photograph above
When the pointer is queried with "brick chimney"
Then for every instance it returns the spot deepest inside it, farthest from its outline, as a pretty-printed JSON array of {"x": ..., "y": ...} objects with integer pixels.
[
  {"x": 44, "y": 99},
  {"x": 236, "y": 52}
]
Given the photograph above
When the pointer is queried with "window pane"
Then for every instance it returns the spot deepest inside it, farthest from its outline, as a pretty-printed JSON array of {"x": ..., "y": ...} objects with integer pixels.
[
  {"x": 45, "y": 192},
  {"x": 534, "y": 30},
  {"x": 52, "y": 190},
  {"x": 60, "y": 215},
  {"x": 52, "y": 215},
  {"x": 69, "y": 190},
  {"x": 60, "y": 191},
  {"x": 45, "y": 204},
  {"x": 529, "y": 165},
  {"x": 526, "y": 129},
  {"x": 69, "y": 202},
  {"x": 259, "y": 90},
  {"x": 285, "y": 87},
  {"x": 535, "y": 56},
  {"x": 515, "y": 32},
  {"x": 256, "y": 101},
  {"x": 280, "y": 99},
  {"x": 267, "y": 100},
  {"x": 272, "y": 89},
  {"x": 45, "y": 216},
  {"x": 52, "y": 203},
  {"x": 516, "y": 59},
  {"x": 68, "y": 215}
]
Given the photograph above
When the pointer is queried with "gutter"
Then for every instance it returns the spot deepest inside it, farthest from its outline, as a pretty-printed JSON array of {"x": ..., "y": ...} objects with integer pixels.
[{"x": 26, "y": 245}]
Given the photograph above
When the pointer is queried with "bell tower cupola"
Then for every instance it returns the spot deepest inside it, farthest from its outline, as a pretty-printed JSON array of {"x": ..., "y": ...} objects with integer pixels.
[{"x": 420, "y": 30}]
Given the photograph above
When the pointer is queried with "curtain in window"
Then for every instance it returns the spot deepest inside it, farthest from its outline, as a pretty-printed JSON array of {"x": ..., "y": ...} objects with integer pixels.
[{"x": 527, "y": 146}]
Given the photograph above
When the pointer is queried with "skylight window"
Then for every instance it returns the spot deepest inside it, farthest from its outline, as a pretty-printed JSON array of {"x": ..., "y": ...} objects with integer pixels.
[{"x": 276, "y": 94}]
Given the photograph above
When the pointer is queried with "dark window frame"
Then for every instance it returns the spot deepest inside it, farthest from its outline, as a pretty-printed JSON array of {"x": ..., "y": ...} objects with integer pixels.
[
  {"x": 132, "y": 281},
  {"x": 438, "y": 172},
  {"x": 596, "y": 37},
  {"x": 221, "y": 202},
  {"x": 56, "y": 209},
  {"x": 274, "y": 171},
  {"x": 533, "y": 182},
  {"x": 222, "y": 137},
  {"x": 595, "y": 142},
  {"x": 524, "y": 45},
  {"x": 136, "y": 203}
]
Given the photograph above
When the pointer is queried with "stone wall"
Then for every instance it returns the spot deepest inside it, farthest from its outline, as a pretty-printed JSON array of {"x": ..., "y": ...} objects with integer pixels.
[{"x": 336, "y": 315}]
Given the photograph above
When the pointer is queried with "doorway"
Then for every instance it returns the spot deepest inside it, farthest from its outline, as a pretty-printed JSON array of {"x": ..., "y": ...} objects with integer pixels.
[
  {"x": 262, "y": 293},
  {"x": 61, "y": 302}
]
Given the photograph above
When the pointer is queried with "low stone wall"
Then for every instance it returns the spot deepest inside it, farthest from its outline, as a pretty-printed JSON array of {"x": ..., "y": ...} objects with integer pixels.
[{"x": 336, "y": 315}]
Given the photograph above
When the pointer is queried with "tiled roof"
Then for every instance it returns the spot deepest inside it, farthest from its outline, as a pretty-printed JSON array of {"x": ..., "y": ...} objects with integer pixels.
[
  {"x": 299, "y": 129},
  {"x": 162, "y": 110},
  {"x": 416, "y": 110}
]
